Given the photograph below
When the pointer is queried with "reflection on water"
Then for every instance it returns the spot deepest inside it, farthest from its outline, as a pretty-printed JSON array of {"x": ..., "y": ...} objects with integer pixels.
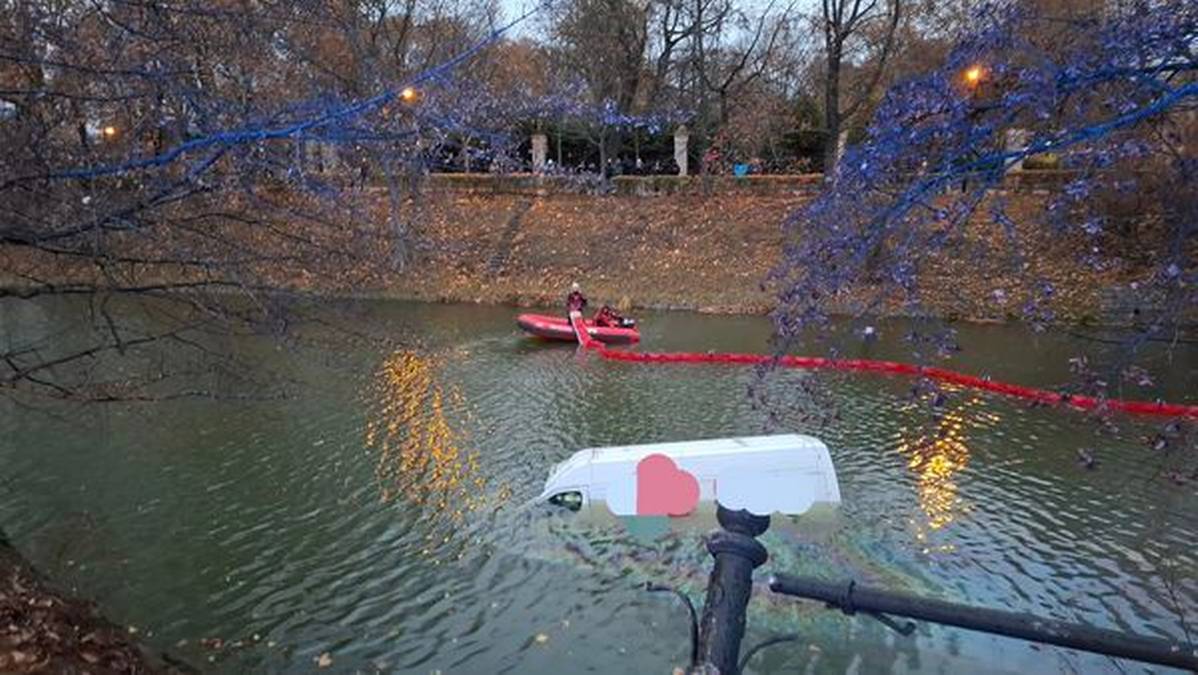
[
  {"x": 936, "y": 457},
  {"x": 421, "y": 456}
]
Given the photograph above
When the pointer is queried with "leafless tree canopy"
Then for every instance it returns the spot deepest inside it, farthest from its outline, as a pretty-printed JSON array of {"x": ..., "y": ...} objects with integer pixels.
[
  {"x": 191, "y": 156},
  {"x": 199, "y": 155}
]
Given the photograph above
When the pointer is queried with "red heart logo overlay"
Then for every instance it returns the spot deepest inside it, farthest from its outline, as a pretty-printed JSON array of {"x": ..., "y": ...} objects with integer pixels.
[{"x": 662, "y": 489}]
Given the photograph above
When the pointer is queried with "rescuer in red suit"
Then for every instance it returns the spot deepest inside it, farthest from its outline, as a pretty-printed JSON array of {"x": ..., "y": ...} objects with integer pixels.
[{"x": 575, "y": 301}]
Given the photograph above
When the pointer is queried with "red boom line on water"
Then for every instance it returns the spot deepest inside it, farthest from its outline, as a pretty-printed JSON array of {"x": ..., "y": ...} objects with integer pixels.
[{"x": 1160, "y": 409}]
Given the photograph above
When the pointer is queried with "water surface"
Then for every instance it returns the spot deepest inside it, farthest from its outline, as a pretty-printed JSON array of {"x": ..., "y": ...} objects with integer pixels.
[{"x": 290, "y": 528}]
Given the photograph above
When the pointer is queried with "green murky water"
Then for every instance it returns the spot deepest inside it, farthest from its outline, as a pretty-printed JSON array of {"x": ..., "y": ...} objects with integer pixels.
[{"x": 285, "y": 529}]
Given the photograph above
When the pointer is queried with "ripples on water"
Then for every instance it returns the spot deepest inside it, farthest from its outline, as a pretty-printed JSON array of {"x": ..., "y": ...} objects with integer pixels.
[{"x": 301, "y": 522}]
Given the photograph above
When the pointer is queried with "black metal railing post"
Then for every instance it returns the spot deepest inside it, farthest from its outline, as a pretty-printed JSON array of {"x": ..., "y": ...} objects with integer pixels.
[{"x": 737, "y": 553}]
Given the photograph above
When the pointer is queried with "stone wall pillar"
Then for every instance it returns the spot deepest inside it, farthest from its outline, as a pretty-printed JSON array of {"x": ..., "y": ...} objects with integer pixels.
[
  {"x": 329, "y": 158},
  {"x": 681, "y": 136},
  {"x": 1017, "y": 139},
  {"x": 540, "y": 149},
  {"x": 842, "y": 142}
]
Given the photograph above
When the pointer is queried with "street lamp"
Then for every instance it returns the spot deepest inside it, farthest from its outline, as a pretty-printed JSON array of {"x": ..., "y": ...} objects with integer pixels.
[
  {"x": 109, "y": 132},
  {"x": 974, "y": 75},
  {"x": 408, "y": 94}
]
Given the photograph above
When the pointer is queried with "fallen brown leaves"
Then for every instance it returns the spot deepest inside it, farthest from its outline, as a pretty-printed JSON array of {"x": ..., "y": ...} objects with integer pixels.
[
  {"x": 711, "y": 253},
  {"x": 680, "y": 251},
  {"x": 42, "y": 631}
]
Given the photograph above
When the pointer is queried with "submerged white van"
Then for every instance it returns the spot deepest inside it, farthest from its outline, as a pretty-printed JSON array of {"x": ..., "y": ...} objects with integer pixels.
[{"x": 787, "y": 474}]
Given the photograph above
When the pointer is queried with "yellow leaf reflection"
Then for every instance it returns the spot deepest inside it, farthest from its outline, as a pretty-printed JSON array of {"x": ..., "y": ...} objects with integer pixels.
[
  {"x": 935, "y": 459},
  {"x": 421, "y": 457}
]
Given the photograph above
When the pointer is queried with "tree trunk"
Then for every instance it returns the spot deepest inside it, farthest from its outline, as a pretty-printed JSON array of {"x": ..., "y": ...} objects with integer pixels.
[{"x": 832, "y": 111}]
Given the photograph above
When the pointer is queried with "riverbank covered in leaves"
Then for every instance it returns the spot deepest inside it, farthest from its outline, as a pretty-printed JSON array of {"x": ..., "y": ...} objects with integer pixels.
[
  {"x": 701, "y": 244},
  {"x": 712, "y": 248},
  {"x": 45, "y": 631}
]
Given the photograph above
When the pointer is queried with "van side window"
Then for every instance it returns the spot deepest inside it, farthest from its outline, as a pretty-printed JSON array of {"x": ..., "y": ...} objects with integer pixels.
[{"x": 571, "y": 500}]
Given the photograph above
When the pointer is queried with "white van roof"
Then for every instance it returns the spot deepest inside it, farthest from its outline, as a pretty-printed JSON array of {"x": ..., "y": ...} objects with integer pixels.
[{"x": 739, "y": 462}]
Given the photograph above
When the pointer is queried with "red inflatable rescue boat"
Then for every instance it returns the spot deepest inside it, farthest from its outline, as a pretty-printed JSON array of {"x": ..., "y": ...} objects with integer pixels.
[{"x": 558, "y": 328}]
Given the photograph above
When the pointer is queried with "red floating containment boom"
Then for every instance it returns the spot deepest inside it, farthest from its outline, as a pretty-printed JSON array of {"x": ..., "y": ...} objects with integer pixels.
[
  {"x": 1159, "y": 409},
  {"x": 579, "y": 326}
]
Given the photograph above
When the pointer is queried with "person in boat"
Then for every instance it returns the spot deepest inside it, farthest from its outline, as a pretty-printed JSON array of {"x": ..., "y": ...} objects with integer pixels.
[
  {"x": 575, "y": 301},
  {"x": 607, "y": 317}
]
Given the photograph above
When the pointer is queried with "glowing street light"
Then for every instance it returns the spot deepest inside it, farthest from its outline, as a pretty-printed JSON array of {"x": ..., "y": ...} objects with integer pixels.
[
  {"x": 109, "y": 132},
  {"x": 408, "y": 94},
  {"x": 974, "y": 75}
]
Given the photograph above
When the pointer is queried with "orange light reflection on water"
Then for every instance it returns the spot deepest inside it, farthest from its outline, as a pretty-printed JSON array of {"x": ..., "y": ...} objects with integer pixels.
[
  {"x": 421, "y": 456},
  {"x": 936, "y": 459}
]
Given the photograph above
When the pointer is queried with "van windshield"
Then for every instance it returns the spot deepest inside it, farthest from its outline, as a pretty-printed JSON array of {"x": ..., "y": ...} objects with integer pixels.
[{"x": 571, "y": 500}]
